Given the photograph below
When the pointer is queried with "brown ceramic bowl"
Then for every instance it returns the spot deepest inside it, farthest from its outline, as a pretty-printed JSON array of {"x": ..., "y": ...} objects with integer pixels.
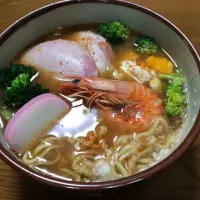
[{"x": 66, "y": 13}]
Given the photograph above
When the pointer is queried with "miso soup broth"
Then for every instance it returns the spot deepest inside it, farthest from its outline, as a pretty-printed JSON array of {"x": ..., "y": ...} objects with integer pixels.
[{"x": 121, "y": 117}]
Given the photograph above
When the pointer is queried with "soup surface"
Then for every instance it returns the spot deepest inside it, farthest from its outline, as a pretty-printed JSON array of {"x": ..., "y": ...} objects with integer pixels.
[{"x": 126, "y": 105}]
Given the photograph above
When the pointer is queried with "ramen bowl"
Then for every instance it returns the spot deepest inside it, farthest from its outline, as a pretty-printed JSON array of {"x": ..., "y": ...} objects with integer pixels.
[{"x": 146, "y": 22}]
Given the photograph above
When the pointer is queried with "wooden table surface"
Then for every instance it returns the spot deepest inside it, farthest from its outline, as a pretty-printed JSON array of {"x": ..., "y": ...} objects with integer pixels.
[{"x": 181, "y": 181}]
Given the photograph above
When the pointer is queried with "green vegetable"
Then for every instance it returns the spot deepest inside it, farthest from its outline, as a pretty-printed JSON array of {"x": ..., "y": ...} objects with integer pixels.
[
  {"x": 146, "y": 45},
  {"x": 7, "y": 113},
  {"x": 21, "y": 91},
  {"x": 176, "y": 98},
  {"x": 8, "y": 74},
  {"x": 114, "y": 32}
]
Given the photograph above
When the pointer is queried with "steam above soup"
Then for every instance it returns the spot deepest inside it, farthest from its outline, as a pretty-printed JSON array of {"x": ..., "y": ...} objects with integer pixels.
[{"x": 93, "y": 103}]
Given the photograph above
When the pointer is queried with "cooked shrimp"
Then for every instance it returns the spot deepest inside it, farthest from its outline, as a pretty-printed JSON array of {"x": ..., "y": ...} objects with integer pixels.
[{"x": 121, "y": 101}]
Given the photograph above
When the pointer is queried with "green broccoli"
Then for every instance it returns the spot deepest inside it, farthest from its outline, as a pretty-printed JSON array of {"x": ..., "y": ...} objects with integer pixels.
[
  {"x": 21, "y": 91},
  {"x": 114, "y": 32},
  {"x": 146, "y": 45},
  {"x": 176, "y": 98},
  {"x": 8, "y": 74}
]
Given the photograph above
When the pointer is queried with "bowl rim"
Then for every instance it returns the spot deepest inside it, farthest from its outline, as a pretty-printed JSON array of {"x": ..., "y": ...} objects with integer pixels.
[{"x": 96, "y": 186}]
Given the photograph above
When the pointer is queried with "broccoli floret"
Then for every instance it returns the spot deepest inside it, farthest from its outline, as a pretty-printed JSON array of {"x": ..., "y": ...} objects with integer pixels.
[
  {"x": 176, "y": 98},
  {"x": 21, "y": 91},
  {"x": 114, "y": 32},
  {"x": 146, "y": 45},
  {"x": 8, "y": 74}
]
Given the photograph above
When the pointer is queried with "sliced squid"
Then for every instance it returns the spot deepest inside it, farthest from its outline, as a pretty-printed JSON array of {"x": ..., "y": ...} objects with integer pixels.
[
  {"x": 142, "y": 75},
  {"x": 98, "y": 48},
  {"x": 137, "y": 72},
  {"x": 62, "y": 58}
]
